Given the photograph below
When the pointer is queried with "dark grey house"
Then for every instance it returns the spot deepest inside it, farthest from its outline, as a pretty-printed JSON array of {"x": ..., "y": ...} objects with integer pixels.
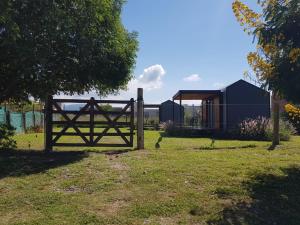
[
  {"x": 169, "y": 110},
  {"x": 226, "y": 108},
  {"x": 244, "y": 100}
]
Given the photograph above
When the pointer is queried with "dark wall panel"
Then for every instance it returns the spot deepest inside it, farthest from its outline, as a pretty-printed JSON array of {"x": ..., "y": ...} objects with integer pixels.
[
  {"x": 244, "y": 100},
  {"x": 166, "y": 112}
]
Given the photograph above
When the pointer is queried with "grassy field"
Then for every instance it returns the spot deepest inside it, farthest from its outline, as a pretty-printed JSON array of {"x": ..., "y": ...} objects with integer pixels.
[{"x": 183, "y": 182}]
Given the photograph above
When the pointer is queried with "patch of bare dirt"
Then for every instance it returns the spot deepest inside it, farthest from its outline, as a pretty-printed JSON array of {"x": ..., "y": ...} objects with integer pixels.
[{"x": 115, "y": 207}]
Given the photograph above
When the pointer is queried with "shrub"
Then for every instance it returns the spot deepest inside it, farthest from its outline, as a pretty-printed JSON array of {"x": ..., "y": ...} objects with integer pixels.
[
  {"x": 286, "y": 130},
  {"x": 253, "y": 128},
  {"x": 292, "y": 113},
  {"x": 259, "y": 129},
  {"x": 262, "y": 129},
  {"x": 6, "y": 134}
]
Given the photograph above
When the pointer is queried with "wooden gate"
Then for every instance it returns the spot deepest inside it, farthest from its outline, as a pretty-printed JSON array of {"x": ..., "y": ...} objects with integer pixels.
[{"x": 90, "y": 129}]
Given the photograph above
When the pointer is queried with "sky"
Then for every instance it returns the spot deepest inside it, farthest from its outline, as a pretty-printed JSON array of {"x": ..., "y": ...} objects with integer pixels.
[{"x": 184, "y": 45}]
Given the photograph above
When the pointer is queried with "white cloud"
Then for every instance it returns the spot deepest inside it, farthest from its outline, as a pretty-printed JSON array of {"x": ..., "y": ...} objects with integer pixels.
[
  {"x": 150, "y": 79},
  {"x": 218, "y": 85},
  {"x": 192, "y": 78}
]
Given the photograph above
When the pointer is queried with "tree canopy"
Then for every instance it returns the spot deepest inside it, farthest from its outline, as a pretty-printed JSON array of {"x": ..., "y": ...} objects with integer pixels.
[
  {"x": 63, "y": 46},
  {"x": 276, "y": 62}
]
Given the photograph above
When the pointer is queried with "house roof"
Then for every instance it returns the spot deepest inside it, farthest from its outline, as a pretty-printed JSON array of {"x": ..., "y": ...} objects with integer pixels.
[
  {"x": 195, "y": 94},
  {"x": 205, "y": 94},
  {"x": 243, "y": 82},
  {"x": 169, "y": 102}
]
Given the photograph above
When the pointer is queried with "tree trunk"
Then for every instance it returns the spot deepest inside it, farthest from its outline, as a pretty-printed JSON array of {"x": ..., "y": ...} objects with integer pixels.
[{"x": 275, "y": 103}]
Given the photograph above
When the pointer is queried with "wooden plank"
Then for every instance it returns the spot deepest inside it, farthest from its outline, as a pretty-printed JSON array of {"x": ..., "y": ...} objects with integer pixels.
[
  {"x": 112, "y": 122},
  {"x": 95, "y": 134},
  {"x": 140, "y": 119},
  {"x": 7, "y": 118},
  {"x": 23, "y": 121},
  {"x": 88, "y": 112},
  {"x": 92, "y": 112},
  {"x": 101, "y": 135},
  {"x": 48, "y": 124},
  {"x": 120, "y": 114},
  {"x": 125, "y": 124},
  {"x": 121, "y": 135},
  {"x": 88, "y": 145},
  {"x": 70, "y": 123},
  {"x": 87, "y": 100},
  {"x": 131, "y": 121}
]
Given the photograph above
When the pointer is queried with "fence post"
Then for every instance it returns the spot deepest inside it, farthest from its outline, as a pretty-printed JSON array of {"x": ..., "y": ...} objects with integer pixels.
[
  {"x": 7, "y": 118},
  {"x": 48, "y": 124},
  {"x": 23, "y": 116},
  {"x": 33, "y": 116},
  {"x": 92, "y": 122},
  {"x": 275, "y": 103},
  {"x": 140, "y": 119},
  {"x": 131, "y": 121}
]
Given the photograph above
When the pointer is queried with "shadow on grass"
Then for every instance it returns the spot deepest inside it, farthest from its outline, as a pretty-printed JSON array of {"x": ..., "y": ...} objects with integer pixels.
[
  {"x": 111, "y": 152},
  {"x": 226, "y": 148},
  {"x": 14, "y": 163},
  {"x": 276, "y": 201}
]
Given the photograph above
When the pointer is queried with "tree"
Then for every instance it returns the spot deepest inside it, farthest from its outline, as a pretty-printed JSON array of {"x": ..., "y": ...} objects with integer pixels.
[
  {"x": 63, "y": 46},
  {"x": 276, "y": 62}
]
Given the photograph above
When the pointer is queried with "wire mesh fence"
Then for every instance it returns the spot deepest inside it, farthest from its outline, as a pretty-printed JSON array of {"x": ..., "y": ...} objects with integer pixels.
[{"x": 22, "y": 120}]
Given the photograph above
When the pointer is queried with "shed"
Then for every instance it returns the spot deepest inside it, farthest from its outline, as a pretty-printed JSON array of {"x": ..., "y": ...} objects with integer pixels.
[
  {"x": 244, "y": 100},
  {"x": 226, "y": 108},
  {"x": 171, "y": 111}
]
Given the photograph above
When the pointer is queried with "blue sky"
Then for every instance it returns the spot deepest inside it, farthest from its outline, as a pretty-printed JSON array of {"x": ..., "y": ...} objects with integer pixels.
[{"x": 185, "y": 44}]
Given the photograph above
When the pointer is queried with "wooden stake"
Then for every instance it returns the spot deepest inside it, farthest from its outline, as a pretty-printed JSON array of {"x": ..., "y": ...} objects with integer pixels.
[
  {"x": 33, "y": 116},
  {"x": 24, "y": 121},
  {"x": 140, "y": 119},
  {"x": 275, "y": 103},
  {"x": 48, "y": 124},
  {"x": 7, "y": 118}
]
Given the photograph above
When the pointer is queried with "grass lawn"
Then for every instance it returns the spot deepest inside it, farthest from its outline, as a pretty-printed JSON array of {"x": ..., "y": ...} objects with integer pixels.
[{"x": 183, "y": 182}]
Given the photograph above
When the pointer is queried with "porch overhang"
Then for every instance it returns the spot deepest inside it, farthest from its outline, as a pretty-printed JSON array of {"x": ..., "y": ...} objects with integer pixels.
[{"x": 196, "y": 94}]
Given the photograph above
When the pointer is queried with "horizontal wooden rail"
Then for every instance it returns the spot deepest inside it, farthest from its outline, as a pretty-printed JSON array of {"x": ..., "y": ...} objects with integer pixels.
[
  {"x": 88, "y": 112},
  {"x": 94, "y": 134},
  {"x": 151, "y": 106},
  {"x": 88, "y": 145},
  {"x": 88, "y": 123},
  {"x": 87, "y": 101}
]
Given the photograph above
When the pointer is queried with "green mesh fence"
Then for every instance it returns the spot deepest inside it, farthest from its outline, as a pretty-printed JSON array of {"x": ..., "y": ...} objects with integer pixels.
[{"x": 16, "y": 119}]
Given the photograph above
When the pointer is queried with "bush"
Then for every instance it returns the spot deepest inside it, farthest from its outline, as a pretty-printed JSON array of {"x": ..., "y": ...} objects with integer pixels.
[
  {"x": 292, "y": 114},
  {"x": 261, "y": 128},
  {"x": 6, "y": 134},
  {"x": 253, "y": 129},
  {"x": 286, "y": 130}
]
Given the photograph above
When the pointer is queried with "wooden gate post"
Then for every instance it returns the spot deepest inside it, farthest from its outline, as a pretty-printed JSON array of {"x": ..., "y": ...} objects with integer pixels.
[
  {"x": 7, "y": 117},
  {"x": 275, "y": 106},
  {"x": 33, "y": 116},
  {"x": 131, "y": 121},
  {"x": 23, "y": 118},
  {"x": 48, "y": 124},
  {"x": 140, "y": 119}
]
